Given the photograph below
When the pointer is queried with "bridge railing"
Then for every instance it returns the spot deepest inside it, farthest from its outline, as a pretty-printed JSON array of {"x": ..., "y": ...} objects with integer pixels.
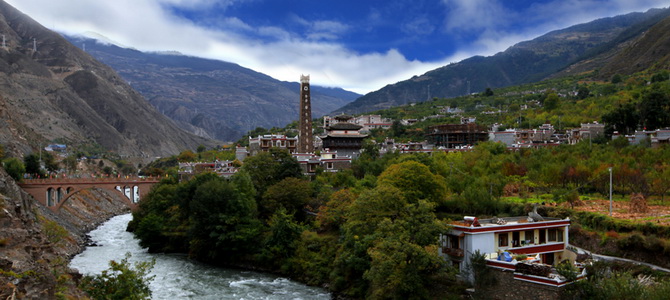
[{"x": 91, "y": 179}]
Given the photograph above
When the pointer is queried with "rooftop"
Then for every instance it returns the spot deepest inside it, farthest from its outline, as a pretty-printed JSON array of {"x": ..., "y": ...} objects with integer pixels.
[{"x": 494, "y": 222}]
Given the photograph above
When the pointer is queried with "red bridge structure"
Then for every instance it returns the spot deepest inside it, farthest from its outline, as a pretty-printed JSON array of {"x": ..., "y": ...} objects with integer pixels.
[{"x": 54, "y": 192}]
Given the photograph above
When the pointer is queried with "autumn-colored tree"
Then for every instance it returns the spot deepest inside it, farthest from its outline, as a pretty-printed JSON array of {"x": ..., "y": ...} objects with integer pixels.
[
  {"x": 186, "y": 156},
  {"x": 333, "y": 214},
  {"x": 415, "y": 182}
]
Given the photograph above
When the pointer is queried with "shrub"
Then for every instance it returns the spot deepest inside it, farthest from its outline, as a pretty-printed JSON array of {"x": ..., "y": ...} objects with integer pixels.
[
  {"x": 14, "y": 168},
  {"x": 120, "y": 281},
  {"x": 54, "y": 232}
]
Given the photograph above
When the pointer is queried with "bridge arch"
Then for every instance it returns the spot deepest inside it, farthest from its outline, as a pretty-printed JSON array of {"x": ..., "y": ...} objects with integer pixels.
[
  {"x": 54, "y": 192},
  {"x": 76, "y": 191}
]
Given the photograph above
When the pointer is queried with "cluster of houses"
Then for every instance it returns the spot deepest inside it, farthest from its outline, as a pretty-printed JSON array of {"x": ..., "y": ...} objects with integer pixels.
[
  {"x": 341, "y": 143},
  {"x": 343, "y": 137}
]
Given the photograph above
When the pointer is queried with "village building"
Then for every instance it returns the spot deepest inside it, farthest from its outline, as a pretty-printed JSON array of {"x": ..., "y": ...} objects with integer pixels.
[
  {"x": 655, "y": 138},
  {"x": 587, "y": 132},
  {"x": 263, "y": 143},
  {"x": 542, "y": 136},
  {"x": 326, "y": 161},
  {"x": 452, "y": 136},
  {"x": 523, "y": 250},
  {"x": 344, "y": 137},
  {"x": 368, "y": 122},
  {"x": 224, "y": 168}
]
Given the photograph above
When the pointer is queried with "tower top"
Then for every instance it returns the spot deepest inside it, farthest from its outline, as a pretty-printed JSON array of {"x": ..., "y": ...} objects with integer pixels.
[{"x": 304, "y": 79}]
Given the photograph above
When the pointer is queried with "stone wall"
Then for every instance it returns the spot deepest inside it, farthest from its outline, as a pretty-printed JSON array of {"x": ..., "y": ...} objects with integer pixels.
[{"x": 507, "y": 288}]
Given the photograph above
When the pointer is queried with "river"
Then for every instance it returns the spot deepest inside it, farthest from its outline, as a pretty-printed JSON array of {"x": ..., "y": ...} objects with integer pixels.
[{"x": 177, "y": 277}]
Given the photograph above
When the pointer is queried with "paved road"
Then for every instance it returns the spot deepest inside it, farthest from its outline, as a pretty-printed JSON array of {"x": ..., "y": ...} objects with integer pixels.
[{"x": 613, "y": 258}]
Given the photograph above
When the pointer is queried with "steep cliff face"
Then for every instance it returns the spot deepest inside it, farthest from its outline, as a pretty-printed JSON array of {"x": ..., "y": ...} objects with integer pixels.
[
  {"x": 36, "y": 244},
  {"x": 51, "y": 90}
]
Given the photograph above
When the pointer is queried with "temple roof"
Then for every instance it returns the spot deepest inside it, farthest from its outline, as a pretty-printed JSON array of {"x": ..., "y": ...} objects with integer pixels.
[{"x": 344, "y": 126}]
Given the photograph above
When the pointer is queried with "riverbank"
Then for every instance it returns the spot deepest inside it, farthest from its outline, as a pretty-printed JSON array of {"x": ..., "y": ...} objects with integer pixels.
[
  {"x": 36, "y": 244},
  {"x": 178, "y": 277}
]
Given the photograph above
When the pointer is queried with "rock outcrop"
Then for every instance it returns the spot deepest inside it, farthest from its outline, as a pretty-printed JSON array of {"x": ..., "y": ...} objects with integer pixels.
[{"x": 36, "y": 244}]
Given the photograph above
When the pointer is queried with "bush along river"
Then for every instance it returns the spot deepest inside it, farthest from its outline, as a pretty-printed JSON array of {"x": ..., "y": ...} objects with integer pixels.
[{"x": 177, "y": 277}]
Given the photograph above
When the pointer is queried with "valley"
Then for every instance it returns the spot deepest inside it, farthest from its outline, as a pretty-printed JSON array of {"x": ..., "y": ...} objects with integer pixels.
[{"x": 473, "y": 177}]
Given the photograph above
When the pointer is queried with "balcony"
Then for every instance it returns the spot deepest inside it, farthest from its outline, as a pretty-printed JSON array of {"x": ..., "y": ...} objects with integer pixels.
[{"x": 453, "y": 252}]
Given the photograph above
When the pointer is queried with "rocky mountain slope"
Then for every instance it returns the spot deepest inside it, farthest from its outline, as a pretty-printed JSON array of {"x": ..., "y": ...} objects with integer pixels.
[
  {"x": 36, "y": 244},
  {"x": 212, "y": 98},
  {"x": 525, "y": 62},
  {"x": 53, "y": 91}
]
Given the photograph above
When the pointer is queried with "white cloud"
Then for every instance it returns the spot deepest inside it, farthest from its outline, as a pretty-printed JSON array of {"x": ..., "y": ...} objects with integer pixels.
[
  {"x": 499, "y": 27},
  {"x": 148, "y": 25},
  {"x": 466, "y": 16},
  {"x": 145, "y": 25}
]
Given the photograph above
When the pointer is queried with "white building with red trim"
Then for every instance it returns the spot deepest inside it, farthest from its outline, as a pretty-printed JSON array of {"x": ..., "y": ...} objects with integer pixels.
[{"x": 504, "y": 240}]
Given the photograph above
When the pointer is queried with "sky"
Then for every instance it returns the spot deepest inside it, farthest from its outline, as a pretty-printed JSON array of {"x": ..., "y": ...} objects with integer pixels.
[{"x": 358, "y": 45}]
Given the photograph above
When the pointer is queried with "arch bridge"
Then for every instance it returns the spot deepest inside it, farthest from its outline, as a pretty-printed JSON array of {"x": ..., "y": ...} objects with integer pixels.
[{"x": 54, "y": 192}]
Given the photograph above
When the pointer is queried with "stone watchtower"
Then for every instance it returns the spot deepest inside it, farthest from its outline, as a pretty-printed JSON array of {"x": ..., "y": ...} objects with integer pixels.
[{"x": 305, "y": 141}]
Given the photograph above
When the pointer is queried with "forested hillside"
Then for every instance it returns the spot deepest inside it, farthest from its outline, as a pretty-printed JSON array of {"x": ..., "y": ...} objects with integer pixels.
[{"x": 526, "y": 62}]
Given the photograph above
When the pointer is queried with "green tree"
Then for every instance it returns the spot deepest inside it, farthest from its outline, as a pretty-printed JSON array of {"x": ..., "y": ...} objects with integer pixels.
[
  {"x": 415, "y": 181},
  {"x": 616, "y": 79},
  {"x": 107, "y": 170},
  {"x": 583, "y": 92},
  {"x": 551, "y": 102},
  {"x": 32, "y": 164},
  {"x": 488, "y": 92},
  {"x": 623, "y": 119},
  {"x": 121, "y": 281},
  {"x": 70, "y": 163},
  {"x": 284, "y": 234},
  {"x": 186, "y": 156},
  {"x": 290, "y": 194},
  {"x": 655, "y": 109},
  {"x": 50, "y": 162},
  {"x": 661, "y": 76},
  {"x": 14, "y": 168},
  {"x": 223, "y": 223},
  {"x": 267, "y": 168},
  {"x": 201, "y": 149}
]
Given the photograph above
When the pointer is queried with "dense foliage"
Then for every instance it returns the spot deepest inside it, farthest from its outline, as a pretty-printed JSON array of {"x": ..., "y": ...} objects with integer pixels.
[
  {"x": 372, "y": 240},
  {"x": 371, "y": 232},
  {"x": 122, "y": 280}
]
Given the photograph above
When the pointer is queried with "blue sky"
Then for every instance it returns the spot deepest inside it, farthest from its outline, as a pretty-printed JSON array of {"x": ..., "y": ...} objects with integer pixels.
[{"x": 357, "y": 45}]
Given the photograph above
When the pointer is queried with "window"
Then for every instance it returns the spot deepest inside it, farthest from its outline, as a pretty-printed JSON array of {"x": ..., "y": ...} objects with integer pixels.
[
  {"x": 529, "y": 237},
  {"x": 454, "y": 241},
  {"x": 559, "y": 234},
  {"x": 552, "y": 235},
  {"x": 329, "y": 165},
  {"x": 503, "y": 239}
]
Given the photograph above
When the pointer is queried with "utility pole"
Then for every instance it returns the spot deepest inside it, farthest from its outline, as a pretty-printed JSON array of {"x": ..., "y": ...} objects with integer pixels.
[
  {"x": 610, "y": 191},
  {"x": 34, "y": 45}
]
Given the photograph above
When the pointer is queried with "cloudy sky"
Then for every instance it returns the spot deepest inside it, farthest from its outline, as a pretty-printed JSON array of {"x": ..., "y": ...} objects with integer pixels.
[{"x": 359, "y": 45}]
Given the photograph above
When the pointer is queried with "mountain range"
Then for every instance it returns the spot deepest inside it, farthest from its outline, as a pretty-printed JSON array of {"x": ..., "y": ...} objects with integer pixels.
[
  {"x": 211, "y": 98},
  {"x": 156, "y": 104},
  {"x": 51, "y": 91},
  {"x": 585, "y": 47}
]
